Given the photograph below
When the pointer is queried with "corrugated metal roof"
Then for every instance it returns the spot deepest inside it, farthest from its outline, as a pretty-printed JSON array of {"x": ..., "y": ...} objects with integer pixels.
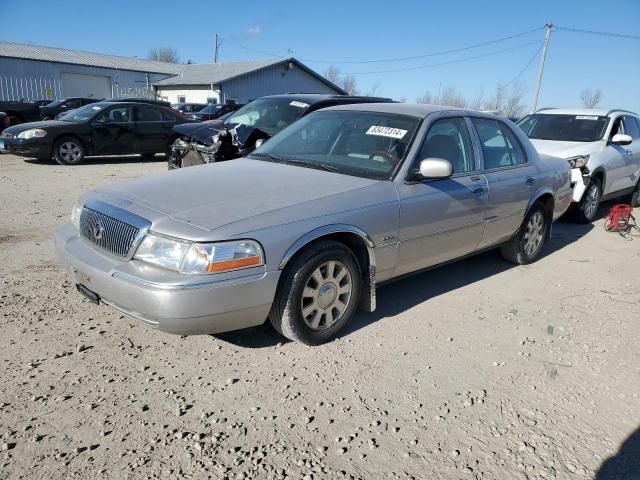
[
  {"x": 215, "y": 73},
  {"x": 62, "y": 55}
]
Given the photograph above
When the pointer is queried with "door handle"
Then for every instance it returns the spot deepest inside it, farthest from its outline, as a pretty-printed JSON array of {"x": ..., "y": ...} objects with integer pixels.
[{"x": 530, "y": 181}]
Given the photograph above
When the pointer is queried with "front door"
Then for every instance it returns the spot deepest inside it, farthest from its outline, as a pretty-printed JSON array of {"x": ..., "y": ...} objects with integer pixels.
[
  {"x": 152, "y": 129},
  {"x": 442, "y": 219},
  {"x": 113, "y": 132},
  {"x": 510, "y": 176},
  {"x": 632, "y": 128}
]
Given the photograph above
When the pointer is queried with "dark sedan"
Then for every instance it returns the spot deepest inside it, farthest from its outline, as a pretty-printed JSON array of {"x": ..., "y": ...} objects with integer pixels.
[
  {"x": 214, "y": 111},
  {"x": 51, "y": 110},
  {"x": 248, "y": 127},
  {"x": 103, "y": 128},
  {"x": 188, "y": 107}
]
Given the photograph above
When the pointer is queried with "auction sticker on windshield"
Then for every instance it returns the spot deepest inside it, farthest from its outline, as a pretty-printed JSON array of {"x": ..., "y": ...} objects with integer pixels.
[
  {"x": 386, "y": 131},
  {"x": 586, "y": 117},
  {"x": 295, "y": 103}
]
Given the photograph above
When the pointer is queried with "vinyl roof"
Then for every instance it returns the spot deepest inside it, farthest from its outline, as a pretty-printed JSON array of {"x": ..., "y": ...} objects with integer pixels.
[{"x": 77, "y": 57}]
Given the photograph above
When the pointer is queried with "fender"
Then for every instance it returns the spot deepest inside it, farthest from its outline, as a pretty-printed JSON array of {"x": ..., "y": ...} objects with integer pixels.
[
  {"x": 535, "y": 197},
  {"x": 370, "y": 279}
]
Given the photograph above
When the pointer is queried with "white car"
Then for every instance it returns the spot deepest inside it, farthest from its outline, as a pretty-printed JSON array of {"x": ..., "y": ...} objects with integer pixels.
[{"x": 602, "y": 147}]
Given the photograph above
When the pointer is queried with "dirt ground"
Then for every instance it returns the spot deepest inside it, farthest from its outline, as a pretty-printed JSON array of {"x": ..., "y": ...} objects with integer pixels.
[{"x": 479, "y": 369}]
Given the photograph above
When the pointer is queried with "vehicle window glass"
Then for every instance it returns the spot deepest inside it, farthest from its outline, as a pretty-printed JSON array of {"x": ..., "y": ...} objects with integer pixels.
[
  {"x": 167, "y": 116},
  {"x": 517, "y": 153},
  {"x": 449, "y": 139},
  {"x": 497, "y": 150},
  {"x": 116, "y": 115},
  {"x": 561, "y": 127},
  {"x": 616, "y": 127},
  {"x": 73, "y": 103},
  {"x": 366, "y": 144},
  {"x": 631, "y": 127},
  {"x": 269, "y": 114},
  {"x": 148, "y": 114},
  {"x": 182, "y": 99}
]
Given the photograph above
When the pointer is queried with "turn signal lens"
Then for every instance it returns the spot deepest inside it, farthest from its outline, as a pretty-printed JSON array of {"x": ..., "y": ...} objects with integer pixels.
[{"x": 222, "y": 257}]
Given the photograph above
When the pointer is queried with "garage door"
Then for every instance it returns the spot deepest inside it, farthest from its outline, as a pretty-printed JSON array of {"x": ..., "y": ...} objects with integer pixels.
[{"x": 79, "y": 85}]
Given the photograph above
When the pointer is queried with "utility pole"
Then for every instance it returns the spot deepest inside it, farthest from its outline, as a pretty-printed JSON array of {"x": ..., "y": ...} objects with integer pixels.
[
  {"x": 215, "y": 51},
  {"x": 541, "y": 67}
]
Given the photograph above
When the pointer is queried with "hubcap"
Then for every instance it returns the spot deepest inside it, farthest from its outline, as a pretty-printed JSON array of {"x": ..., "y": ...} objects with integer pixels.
[
  {"x": 534, "y": 234},
  {"x": 326, "y": 295},
  {"x": 592, "y": 200},
  {"x": 70, "y": 151}
]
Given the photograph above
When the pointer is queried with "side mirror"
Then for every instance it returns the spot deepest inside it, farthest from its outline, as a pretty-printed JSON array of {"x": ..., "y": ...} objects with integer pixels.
[
  {"x": 436, "y": 168},
  {"x": 621, "y": 139}
]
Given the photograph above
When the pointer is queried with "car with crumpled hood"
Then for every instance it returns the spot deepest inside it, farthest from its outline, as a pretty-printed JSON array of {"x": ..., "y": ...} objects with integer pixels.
[{"x": 254, "y": 123}]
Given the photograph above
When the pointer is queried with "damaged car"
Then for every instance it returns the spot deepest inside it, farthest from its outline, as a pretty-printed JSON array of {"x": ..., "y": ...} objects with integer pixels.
[{"x": 249, "y": 127}]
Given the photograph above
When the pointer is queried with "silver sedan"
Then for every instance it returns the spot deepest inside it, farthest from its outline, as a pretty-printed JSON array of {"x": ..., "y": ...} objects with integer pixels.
[{"x": 302, "y": 230}]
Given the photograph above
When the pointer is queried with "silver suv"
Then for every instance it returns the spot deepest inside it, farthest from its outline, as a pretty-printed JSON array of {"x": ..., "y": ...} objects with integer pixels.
[{"x": 602, "y": 147}]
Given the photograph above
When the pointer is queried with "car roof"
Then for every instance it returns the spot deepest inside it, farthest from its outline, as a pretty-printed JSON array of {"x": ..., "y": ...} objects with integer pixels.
[
  {"x": 601, "y": 112},
  {"x": 312, "y": 98},
  {"x": 419, "y": 110}
]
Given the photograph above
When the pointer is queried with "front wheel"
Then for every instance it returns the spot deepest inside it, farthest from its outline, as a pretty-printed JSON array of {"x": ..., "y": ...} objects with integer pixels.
[
  {"x": 68, "y": 151},
  {"x": 585, "y": 211},
  {"x": 526, "y": 245},
  {"x": 318, "y": 294},
  {"x": 634, "y": 198}
]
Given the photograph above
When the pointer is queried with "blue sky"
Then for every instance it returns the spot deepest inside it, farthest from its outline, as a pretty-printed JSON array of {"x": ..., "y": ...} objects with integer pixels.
[{"x": 341, "y": 31}]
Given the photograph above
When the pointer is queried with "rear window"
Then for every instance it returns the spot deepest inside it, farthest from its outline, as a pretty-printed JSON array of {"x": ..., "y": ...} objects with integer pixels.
[{"x": 566, "y": 128}]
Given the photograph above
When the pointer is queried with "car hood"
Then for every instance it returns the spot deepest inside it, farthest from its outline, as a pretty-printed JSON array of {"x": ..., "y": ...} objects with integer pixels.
[
  {"x": 243, "y": 191},
  {"x": 564, "y": 149},
  {"x": 28, "y": 126}
]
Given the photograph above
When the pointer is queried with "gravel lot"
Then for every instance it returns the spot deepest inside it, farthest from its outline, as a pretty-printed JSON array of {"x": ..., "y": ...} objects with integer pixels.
[{"x": 475, "y": 370}]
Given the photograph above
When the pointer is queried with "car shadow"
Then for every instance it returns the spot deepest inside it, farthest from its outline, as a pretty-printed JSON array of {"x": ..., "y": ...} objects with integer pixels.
[
  {"x": 400, "y": 295},
  {"x": 625, "y": 464},
  {"x": 107, "y": 160}
]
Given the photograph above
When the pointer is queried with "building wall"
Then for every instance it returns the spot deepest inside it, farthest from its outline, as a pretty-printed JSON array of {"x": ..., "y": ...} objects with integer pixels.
[
  {"x": 193, "y": 93},
  {"x": 33, "y": 79}
]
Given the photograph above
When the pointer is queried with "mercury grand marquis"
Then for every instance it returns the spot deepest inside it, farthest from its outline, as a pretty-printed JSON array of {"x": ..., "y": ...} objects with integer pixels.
[{"x": 303, "y": 229}]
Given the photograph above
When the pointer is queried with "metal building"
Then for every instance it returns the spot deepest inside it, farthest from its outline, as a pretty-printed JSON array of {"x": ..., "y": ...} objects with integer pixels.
[
  {"x": 242, "y": 81},
  {"x": 33, "y": 72}
]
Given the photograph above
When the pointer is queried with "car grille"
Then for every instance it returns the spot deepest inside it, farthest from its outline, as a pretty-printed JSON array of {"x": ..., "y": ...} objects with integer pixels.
[
  {"x": 112, "y": 229},
  {"x": 192, "y": 158}
]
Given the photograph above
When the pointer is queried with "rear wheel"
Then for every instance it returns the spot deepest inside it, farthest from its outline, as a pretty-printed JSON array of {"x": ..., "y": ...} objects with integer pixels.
[
  {"x": 587, "y": 208},
  {"x": 68, "y": 151},
  {"x": 318, "y": 294},
  {"x": 526, "y": 245},
  {"x": 634, "y": 198}
]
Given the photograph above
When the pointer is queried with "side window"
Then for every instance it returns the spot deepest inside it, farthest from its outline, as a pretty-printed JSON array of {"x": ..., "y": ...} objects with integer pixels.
[
  {"x": 167, "y": 116},
  {"x": 148, "y": 114},
  {"x": 616, "y": 127},
  {"x": 631, "y": 127},
  {"x": 74, "y": 103},
  {"x": 449, "y": 139},
  {"x": 116, "y": 115},
  {"x": 500, "y": 148}
]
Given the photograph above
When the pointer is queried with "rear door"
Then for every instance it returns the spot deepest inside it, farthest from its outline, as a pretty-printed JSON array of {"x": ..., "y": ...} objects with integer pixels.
[
  {"x": 152, "y": 129},
  {"x": 632, "y": 128},
  {"x": 618, "y": 161},
  {"x": 511, "y": 178},
  {"x": 442, "y": 219},
  {"x": 113, "y": 132}
]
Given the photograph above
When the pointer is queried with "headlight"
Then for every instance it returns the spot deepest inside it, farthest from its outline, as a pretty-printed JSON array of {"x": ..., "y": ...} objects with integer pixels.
[
  {"x": 199, "y": 258},
  {"x": 75, "y": 214},
  {"x": 32, "y": 133},
  {"x": 579, "y": 161}
]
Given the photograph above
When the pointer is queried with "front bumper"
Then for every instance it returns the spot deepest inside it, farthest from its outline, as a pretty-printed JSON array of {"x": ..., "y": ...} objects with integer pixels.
[
  {"x": 579, "y": 182},
  {"x": 179, "y": 305},
  {"x": 32, "y": 147}
]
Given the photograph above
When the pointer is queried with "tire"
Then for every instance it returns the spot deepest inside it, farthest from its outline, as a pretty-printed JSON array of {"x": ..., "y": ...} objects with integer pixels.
[
  {"x": 526, "y": 245},
  {"x": 68, "y": 151},
  {"x": 586, "y": 210},
  {"x": 634, "y": 198},
  {"x": 323, "y": 282}
]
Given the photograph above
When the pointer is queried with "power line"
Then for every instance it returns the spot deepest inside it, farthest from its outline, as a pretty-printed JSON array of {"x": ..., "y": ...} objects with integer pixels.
[
  {"x": 525, "y": 68},
  {"x": 397, "y": 59},
  {"x": 593, "y": 32},
  {"x": 448, "y": 62}
]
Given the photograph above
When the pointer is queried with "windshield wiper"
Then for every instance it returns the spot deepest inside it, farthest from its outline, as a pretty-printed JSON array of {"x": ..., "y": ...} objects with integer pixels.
[
  {"x": 269, "y": 156},
  {"x": 309, "y": 164}
]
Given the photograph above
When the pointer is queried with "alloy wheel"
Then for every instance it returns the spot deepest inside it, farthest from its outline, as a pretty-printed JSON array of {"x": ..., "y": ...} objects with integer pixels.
[
  {"x": 70, "y": 152},
  {"x": 326, "y": 295},
  {"x": 534, "y": 234},
  {"x": 591, "y": 201}
]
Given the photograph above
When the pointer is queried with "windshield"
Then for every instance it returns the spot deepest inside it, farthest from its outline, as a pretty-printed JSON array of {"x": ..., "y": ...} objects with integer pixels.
[
  {"x": 82, "y": 114},
  {"x": 57, "y": 103},
  {"x": 270, "y": 115},
  {"x": 211, "y": 108},
  {"x": 566, "y": 128},
  {"x": 364, "y": 144}
]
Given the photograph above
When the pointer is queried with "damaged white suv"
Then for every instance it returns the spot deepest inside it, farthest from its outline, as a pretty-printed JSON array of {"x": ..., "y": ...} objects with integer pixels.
[{"x": 602, "y": 147}]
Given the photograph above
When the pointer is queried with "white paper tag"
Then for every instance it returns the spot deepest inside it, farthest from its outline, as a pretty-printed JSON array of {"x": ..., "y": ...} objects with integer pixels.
[
  {"x": 96, "y": 108},
  {"x": 295, "y": 103},
  {"x": 386, "y": 132},
  {"x": 586, "y": 117}
]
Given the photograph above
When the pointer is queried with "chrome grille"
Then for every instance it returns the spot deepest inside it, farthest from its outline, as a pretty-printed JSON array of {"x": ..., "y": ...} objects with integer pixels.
[{"x": 111, "y": 228}]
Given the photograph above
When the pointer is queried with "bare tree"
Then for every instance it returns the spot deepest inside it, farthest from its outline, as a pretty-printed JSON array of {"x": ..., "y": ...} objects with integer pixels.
[
  {"x": 591, "y": 98},
  {"x": 349, "y": 84},
  {"x": 373, "y": 90},
  {"x": 478, "y": 101},
  {"x": 513, "y": 105},
  {"x": 163, "y": 54},
  {"x": 447, "y": 96},
  {"x": 496, "y": 101},
  {"x": 427, "y": 97},
  {"x": 332, "y": 74}
]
